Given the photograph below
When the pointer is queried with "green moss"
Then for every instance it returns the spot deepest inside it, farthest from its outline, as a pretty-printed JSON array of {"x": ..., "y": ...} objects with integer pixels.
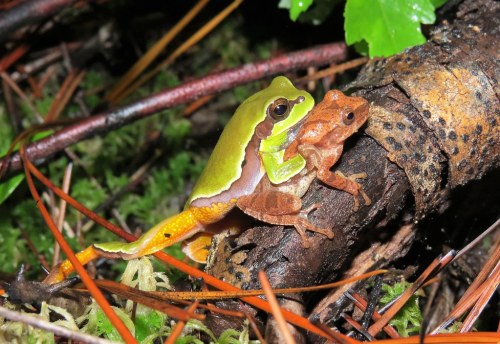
[{"x": 408, "y": 320}]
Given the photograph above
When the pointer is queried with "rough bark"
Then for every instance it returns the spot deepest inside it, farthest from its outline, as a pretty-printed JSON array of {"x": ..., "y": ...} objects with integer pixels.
[{"x": 433, "y": 127}]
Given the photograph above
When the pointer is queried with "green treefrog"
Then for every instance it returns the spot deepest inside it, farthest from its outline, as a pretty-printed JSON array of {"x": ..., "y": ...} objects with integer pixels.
[
  {"x": 251, "y": 146},
  {"x": 320, "y": 141}
]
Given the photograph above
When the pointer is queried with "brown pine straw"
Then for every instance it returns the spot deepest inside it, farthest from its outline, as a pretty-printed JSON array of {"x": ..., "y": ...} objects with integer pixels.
[
  {"x": 484, "y": 291},
  {"x": 12, "y": 84},
  {"x": 476, "y": 290},
  {"x": 491, "y": 286},
  {"x": 145, "y": 298},
  {"x": 466, "y": 304},
  {"x": 64, "y": 94},
  {"x": 436, "y": 266},
  {"x": 337, "y": 337},
  {"x": 359, "y": 302},
  {"x": 153, "y": 52},
  {"x": 219, "y": 295},
  {"x": 198, "y": 35},
  {"x": 447, "y": 338},
  {"x": 86, "y": 279},
  {"x": 13, "y": 56},
  {"x": 275, "y": 308},
  {"x": 198, "y": 103},
  {"x": 62, "y": 210},
  {"x": 357, "y": 326}
]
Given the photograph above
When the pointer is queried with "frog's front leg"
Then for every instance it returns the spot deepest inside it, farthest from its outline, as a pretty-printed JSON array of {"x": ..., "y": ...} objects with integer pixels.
[
  {"x": 279, "y": 171},
  {"x": 323, "y": 160},
  {"x": 281, "y": 208},
  {"x": 349, "y": 184}
]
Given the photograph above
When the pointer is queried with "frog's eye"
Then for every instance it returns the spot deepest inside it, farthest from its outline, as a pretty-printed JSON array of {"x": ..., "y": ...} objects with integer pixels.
[
  {"x": 279, "y": 109},
  {"x": 348, "y": 117}
]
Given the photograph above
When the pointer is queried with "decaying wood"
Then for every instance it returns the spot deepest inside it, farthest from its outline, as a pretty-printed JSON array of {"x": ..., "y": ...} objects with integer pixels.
[{"x": 433, "y": 127}]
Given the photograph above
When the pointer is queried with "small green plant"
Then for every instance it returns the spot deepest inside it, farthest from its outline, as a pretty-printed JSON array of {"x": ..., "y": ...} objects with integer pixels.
[
  {"x": 17, "y": 332},
  {"x": 229, "y": 336},
  {"x": 408, "y": 320},
  {"x": 149, "y": 326}
]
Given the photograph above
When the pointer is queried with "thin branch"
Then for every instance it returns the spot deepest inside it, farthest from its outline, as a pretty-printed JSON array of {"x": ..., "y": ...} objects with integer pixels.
[
  {"x": 39, "y": 151},
  {"x": 62, "y": 209},
  {"x": 29, "y": 12}
]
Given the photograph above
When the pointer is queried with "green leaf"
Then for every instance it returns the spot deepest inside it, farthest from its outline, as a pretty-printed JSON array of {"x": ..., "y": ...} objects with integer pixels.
[
  {"x": 8, "y": 186},
  {"x": 296, "y": 7},
  {"x": 188, "y": 340},
  {"x": 319, "y": 12},
  {"x": 197, "y": 325},
  {"x": 387, "y": 26}
]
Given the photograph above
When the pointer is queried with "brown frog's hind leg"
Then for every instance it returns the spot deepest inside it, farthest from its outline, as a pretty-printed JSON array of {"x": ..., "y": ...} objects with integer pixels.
[{"x": 281, "y": 208}]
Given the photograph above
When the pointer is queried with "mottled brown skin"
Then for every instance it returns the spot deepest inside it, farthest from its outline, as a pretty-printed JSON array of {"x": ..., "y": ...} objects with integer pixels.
[{"x": 320, "y": 141}]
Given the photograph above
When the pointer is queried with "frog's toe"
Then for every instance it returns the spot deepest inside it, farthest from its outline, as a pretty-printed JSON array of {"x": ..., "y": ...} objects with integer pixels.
[
  {"x": 302, "y": 232},
  {"x": 309, "y": 226},
  {"x": 367, "y": 199},
  {"x": 305, "y": 212}
]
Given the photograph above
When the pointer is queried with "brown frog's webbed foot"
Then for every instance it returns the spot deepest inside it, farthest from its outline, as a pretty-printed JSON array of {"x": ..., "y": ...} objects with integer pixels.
[{"x": 354, "y": 188}]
